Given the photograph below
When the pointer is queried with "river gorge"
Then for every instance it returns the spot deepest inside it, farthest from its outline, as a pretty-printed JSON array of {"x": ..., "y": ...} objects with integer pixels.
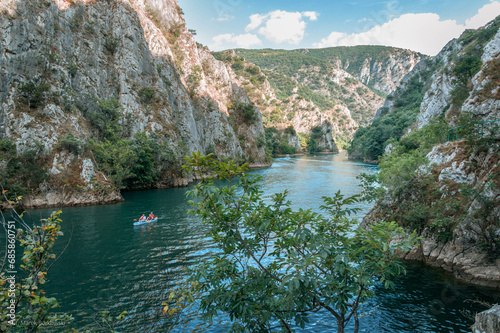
[{"x": 111, "y": 264}]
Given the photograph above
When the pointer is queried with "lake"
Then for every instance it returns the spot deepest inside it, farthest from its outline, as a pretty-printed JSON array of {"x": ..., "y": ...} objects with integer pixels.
[{"x": 111, "y": 264}]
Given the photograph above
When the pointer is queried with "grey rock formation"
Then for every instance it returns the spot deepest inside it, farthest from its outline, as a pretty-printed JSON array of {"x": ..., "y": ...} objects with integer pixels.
[
  {"x": 76, "y": 54},
  {"x": 487, "y": 321},
  {"x": 386, "y": 75},
  {"x": 325, "y": 141},
  {"x": 464, "y": 173}
]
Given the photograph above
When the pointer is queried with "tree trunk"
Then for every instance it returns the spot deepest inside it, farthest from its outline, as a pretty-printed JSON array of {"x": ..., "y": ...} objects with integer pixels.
[
  {"x": 340, "y": 323},
  {"x": 356, "y": 322}
]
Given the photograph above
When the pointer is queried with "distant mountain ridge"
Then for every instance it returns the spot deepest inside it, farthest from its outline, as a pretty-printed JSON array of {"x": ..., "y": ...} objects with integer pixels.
[
  {"x": 379, "y": 67},
  {"x": 344, "y": 86}
]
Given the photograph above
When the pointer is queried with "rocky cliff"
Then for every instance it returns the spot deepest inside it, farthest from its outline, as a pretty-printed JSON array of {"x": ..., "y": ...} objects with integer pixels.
[
  {"x": 379, "y": 67},
  {"x": 293, "y": 113},
  {"x": 341, "y": 86},
  {"x": 442, "y": 176},
  {"x": 487, "y": 321},
  {"x": 80, "y": 80}
]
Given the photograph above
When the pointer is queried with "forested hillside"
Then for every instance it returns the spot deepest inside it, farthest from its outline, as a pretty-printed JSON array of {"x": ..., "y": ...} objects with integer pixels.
[
  {"x": 305, "y": 89},
  {"x": 289, "y": 118},
  {"x": 315, "y": 80},
  {"x": 381, "y": 68}
]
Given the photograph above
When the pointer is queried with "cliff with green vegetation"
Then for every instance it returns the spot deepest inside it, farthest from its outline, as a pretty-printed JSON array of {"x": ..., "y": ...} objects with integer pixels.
[
  {"x": 98, "y": 96},
  {"x": 293, "y": 118},
  {"x": 309, "y": 88},
  {"x": 438, "y": 143},
  {"x": 381, "y": 68}
]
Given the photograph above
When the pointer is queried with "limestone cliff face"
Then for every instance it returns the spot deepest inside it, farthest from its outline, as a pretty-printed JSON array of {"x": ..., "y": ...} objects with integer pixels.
[
  {"x": 386, "y": 74},
  {"x": 380, "y": 67},
  {"x": 464, "y": 171},
  {"x": 325, "y": 141},
  {"x": 61, "y": 61},
  {"x": 487, "y": 321}
]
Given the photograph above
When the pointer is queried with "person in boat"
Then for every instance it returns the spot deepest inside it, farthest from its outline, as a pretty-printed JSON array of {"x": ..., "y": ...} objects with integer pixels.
[
  {"x": 151, "y": 216},
  {"x": 142, "y": 218}
]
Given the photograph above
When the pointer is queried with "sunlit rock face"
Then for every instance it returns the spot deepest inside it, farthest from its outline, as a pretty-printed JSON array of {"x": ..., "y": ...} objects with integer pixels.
[{"x": 60, "y": 59}]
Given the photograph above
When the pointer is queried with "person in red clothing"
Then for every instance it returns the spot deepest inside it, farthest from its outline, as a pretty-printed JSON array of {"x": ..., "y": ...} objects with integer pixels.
[{"x": 151, "y": 216}]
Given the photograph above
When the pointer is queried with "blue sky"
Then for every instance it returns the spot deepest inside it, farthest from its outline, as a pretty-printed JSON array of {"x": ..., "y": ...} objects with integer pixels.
[{"x": 420, "y": 25}]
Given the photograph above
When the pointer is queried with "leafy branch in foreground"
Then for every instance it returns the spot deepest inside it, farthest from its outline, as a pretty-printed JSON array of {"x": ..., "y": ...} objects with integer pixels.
[
  {"x": 276, "y": 266},
  {"x": 24, "y": 306}
]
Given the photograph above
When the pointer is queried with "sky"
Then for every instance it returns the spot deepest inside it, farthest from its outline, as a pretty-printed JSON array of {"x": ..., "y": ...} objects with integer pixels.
[{"x": 419, "y": 25}]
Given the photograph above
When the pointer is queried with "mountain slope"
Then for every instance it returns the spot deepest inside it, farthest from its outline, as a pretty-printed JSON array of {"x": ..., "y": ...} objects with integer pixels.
[
  {"x": 315, "y": 80},
  {"x": 289, "y": 115},
  {"x": 440, "y": 170},
  {"x": 327, "y": 83},
  {"x": 108, "y": 95},
  {"x": 381, "y": 68}
]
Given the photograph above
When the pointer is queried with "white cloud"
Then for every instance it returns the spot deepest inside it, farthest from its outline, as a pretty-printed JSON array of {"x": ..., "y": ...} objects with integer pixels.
[
  {"x": 225, "y": 18},
  {"x": 411, "y": 31},
  {"x": 226, "y": 41},
  {"x": 281, "y": 26},
  {"x": 426, "y": 33},
  {"x": 485, "y": 14},
  {"x": 364, "y": 19},
  {"x": 284, "y": 27},
  {"x": 313, "y": 16},
  {"x": 255, "y": 21}
]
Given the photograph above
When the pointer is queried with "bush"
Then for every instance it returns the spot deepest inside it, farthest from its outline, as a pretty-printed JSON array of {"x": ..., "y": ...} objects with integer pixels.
[
  {"x": 238, "y": 65},
  {"x": 479, "y": 135},
  {"x": 290, "y": 130},
  {"x": 409, "y": 153},
  {"x": 146, "y": 95},
  {"x": 111, "y": 44},
  {"x": 72, "y": 69},
  {"x": 22, "y": 173},
  {"x": 70, "y": 143},
  {"x": 115, "y": 158},
  {"x": 105, "y": 118},
  {"x": 277, "y": 144},
  {"x": 465, "y": 69},
  {"x": 145, "y": 168},
  {"x": 246, "y": 112},
  {"x": 253, "y": 70},
  {"x": 134, "y": 163},
  {"x": 312, "y": 143},
  {"x": 34, "y": 94}
]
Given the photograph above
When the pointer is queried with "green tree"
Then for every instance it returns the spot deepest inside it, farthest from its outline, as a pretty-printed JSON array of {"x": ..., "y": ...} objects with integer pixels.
[
  {"x": 34, "y": 94},
  {"x": 145, "y": 168},
  {"x": 116, "y": 159},
  {"x": 276, "y": 265},
  {"x": 312, "y": 143},
  {"x": 24, "y": 306},
  {"x": 22, "y": 173}
]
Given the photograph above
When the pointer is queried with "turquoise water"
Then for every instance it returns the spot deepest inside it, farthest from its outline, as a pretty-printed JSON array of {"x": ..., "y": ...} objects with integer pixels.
[{"x": 111, "y": 264}]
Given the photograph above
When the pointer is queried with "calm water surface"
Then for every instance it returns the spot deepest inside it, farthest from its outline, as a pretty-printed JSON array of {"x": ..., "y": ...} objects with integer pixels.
[{"x": 111, "y": 264}]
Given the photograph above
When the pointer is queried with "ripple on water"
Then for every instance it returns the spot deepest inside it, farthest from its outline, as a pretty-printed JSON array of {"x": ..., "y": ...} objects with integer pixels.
[{"x": 111, "y": 264}]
